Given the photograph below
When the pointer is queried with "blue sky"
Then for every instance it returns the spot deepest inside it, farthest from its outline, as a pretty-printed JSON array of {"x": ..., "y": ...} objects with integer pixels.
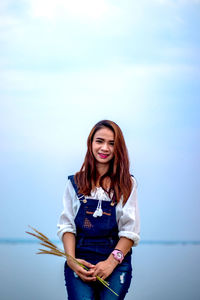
[{"x": 66, "y": 65}]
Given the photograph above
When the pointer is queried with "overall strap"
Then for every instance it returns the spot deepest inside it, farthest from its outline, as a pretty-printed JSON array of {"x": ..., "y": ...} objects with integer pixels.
[{"x": 80, "y": 196}]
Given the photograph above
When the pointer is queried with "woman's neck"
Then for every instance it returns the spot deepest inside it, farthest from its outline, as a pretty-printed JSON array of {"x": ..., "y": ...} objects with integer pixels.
[{"x": 102, "y": 169}]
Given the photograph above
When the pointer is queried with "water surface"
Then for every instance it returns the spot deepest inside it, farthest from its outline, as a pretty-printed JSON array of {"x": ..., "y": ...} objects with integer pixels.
[{"x": 161, "y": 271}]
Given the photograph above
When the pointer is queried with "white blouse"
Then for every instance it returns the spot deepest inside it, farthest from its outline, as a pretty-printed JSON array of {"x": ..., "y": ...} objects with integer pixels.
[{"x": 127, "y": 216}]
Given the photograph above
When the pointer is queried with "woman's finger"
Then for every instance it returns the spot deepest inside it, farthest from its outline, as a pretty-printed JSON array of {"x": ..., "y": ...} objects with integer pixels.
[
  {"x": 87, "y": 278},
  {"x": 86, "y": 263},
  {"x": 85, "y": 272}
]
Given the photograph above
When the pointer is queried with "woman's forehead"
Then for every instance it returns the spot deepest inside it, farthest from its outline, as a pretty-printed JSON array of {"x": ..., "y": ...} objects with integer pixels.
[{"x": 104, "y": 133}]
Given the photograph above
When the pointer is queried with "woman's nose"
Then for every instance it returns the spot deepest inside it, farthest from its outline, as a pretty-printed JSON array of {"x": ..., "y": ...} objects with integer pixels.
[{"x": 104, "y": 146}]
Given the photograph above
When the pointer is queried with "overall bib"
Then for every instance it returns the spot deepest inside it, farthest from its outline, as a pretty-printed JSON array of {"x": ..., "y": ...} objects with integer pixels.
[{"x": 96, "y": 238}]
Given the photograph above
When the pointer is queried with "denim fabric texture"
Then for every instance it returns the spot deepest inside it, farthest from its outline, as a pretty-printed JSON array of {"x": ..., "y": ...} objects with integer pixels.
[
  {"x": 96, "y": 238},
  {"x": 119, "y": 281}
]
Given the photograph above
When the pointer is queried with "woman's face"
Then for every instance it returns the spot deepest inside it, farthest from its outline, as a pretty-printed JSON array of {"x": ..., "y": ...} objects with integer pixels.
[{"x": 103, "y": 145}]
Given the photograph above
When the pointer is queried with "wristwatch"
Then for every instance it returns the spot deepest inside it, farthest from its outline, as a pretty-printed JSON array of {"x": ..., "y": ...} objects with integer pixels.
[{"x": 118, "y": 255}]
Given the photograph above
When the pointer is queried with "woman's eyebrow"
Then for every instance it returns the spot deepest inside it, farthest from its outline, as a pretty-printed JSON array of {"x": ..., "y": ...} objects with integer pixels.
[{"x": 101, "y": 139}]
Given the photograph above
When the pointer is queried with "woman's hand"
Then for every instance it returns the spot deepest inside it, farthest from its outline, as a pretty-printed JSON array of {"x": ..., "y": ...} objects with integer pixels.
[
  {"x": 85, "y": 275},
  {"x": 104, "y": 268}
]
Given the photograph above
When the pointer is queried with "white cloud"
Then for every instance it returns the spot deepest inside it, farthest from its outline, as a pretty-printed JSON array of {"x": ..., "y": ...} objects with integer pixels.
[
  {"x": 7, "y": 20},
  {"x": 87, "y": 9}
]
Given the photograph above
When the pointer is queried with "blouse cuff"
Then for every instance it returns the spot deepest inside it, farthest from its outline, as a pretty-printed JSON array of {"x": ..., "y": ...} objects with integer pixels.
[
  {"x": 130, "y": 235},
  {"x": 63, "y": 228}
]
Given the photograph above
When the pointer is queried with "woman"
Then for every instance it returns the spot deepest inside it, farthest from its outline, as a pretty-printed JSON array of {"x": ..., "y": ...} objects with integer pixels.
[{"x": 100, "y": 221}]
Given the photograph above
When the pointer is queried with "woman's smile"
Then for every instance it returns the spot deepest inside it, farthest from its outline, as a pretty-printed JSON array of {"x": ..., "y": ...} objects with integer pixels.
[{"x": 103, "y": 156}]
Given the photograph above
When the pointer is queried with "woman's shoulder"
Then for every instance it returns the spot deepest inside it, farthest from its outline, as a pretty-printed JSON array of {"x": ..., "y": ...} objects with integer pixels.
[
  {"x": 134, "y": 182},
  {"x": 71, "y": 183}
]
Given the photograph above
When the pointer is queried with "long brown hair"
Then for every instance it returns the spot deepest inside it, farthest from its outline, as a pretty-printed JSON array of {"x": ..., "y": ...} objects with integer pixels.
[{"x": 118, "y": 171}]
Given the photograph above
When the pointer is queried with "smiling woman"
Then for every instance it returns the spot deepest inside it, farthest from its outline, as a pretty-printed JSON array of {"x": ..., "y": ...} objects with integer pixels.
[
  {"x": 100, "y": 221},
  {"x": 103, "y": 147}
]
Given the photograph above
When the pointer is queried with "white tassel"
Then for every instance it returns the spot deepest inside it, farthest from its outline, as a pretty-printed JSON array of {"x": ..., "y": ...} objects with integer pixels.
[
  {"x": 98, "y": 213},
  {"x": 101, "y": 195}
]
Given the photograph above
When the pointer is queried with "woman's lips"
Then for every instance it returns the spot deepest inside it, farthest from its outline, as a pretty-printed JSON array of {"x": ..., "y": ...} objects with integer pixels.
[{"x": 103, "y": 155}]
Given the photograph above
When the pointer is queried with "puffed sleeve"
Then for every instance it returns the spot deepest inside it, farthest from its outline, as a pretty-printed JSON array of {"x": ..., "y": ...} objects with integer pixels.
[
  {"x": 128, "y": 217},
  {"x": 71, "y": 205}
]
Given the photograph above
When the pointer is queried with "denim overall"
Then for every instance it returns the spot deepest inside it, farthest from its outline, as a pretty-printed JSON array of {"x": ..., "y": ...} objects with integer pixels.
[{"x": 96, "y": 238}]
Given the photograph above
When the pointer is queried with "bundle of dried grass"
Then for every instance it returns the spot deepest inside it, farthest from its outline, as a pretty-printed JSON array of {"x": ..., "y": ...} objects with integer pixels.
[{"x": 54, "y": 250}]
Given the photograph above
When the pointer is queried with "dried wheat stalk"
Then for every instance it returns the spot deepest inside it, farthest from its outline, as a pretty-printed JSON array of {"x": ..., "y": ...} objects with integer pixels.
[{"x": 54, "y": 250}]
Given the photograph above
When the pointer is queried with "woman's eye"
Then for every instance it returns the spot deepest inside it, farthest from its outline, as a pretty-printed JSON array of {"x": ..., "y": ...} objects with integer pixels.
[{"x": 112, "y": 144}]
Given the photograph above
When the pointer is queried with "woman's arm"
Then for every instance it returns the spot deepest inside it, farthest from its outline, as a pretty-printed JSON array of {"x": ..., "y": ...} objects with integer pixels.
[
  {"x": 124, "y": 245},
  {"x": 104, "y": 268},
  {"x": 67, "y": 232},
  {"x": 69, "y": 242},
  {"x": 129, "y": 229}
]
